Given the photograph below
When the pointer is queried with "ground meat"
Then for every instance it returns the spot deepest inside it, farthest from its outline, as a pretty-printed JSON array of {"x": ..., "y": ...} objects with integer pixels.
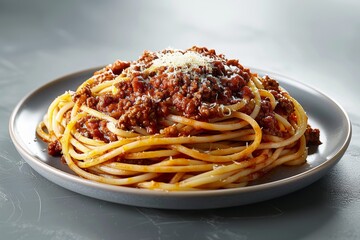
[
  {"x": 270, "y": 84},
  {"x": 284, "y": 107},
  {"x": 102, "y": 75},
  {"x": 95, "y": 128},
  {"x": 92, "y": 124},
  {"x": 118, "y": 66},
  {"x": 54, "y": 148},
  {"x": 266, "y": 119},
  {"x": 82, "y": 95},
  {"x": 170, "y": 131},
  {"x": 312, "y": 136},
  {"x": 143, "y": 113}
]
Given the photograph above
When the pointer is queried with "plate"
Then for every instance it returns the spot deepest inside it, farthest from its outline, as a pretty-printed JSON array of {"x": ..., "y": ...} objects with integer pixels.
[{"x": 323, "y": 112}]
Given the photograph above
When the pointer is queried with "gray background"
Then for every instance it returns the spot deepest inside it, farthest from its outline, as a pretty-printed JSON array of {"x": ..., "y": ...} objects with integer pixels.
[{"x": 317, "y": 42}]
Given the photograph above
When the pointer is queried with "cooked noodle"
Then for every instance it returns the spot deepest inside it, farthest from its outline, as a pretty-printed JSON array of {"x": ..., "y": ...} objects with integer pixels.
[{"x": 241, "y": 131}]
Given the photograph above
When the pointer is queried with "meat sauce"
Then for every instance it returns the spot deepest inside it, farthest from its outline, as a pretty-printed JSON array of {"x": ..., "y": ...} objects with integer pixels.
[
  {"x": 156, "y": 85},
  {"x": 148, "y": 96}
]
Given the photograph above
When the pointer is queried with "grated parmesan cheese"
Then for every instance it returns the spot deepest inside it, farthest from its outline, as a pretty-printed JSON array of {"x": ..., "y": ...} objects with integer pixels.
[{"x": 187, "y": 60}]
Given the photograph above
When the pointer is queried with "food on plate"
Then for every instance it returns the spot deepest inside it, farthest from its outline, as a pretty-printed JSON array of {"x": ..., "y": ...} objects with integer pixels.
[{"x": 177, "y": 120}]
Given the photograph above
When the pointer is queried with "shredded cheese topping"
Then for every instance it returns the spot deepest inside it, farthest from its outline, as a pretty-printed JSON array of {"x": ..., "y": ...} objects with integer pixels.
[{"x": 187, "y": 60}]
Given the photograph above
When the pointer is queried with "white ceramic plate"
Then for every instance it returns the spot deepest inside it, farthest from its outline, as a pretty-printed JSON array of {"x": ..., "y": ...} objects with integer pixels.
[{"x": 323, "y": 113}]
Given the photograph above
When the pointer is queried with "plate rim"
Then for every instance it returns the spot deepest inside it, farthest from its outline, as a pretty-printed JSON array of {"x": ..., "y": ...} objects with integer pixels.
[{"x": 204, "y": 193}]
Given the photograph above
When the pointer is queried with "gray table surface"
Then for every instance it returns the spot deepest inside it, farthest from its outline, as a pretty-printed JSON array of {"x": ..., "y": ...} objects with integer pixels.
[{"x": 317, "y": 42}]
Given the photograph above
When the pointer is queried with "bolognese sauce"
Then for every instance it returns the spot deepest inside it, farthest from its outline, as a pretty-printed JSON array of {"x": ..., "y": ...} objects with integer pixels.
[{"x": 195, "y": 83}]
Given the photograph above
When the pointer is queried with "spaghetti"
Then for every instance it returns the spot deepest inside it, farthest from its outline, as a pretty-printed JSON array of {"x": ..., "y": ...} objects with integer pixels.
[{"x": 177, "y": 120}]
